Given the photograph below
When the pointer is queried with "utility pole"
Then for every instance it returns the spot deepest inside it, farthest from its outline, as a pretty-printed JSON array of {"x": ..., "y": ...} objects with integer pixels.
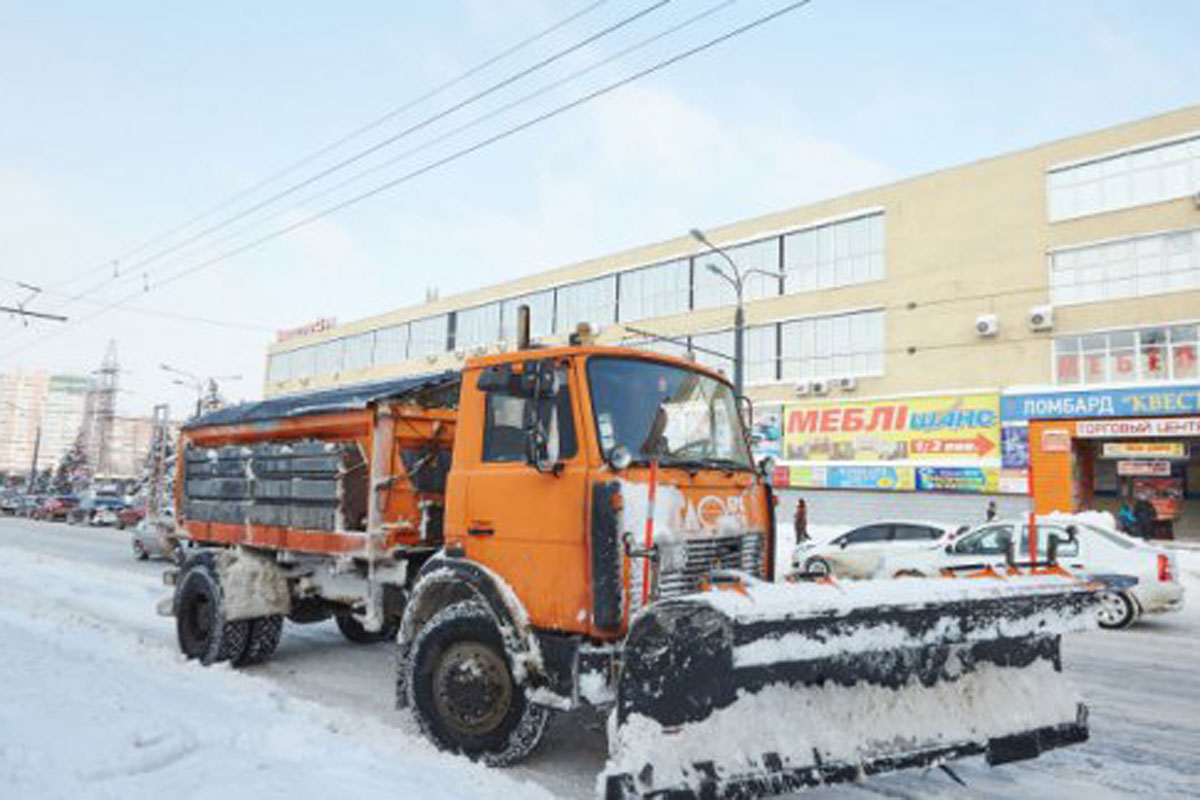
[
  {"x": 37, "y": 446},
  {"x": 737, "y": 280},
  {"x": 106, "y": 409},
  {"x": 158, "y": 461}
]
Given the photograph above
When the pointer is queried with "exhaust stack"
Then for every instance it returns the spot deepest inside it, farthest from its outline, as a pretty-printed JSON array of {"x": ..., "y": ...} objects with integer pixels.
[{"x": 523, "y": 327}]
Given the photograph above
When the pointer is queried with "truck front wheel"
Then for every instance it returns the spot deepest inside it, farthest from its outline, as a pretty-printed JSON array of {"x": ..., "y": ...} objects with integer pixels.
[
  {"x": 462, "y": 690},
  {"x": 200, "y": 622}
]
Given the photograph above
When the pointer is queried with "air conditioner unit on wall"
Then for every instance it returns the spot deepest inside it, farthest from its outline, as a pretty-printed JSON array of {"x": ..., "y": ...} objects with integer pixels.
[
  {"x": 1041, "y": 318},
  {"x": 847, "y": 384},
  {"x": 819, "y": 387},
  {"x": 987, "y": 325}
]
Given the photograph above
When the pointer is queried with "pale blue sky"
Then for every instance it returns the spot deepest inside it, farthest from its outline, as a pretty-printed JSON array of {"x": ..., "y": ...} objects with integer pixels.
[{"x": 122, "y": 119}]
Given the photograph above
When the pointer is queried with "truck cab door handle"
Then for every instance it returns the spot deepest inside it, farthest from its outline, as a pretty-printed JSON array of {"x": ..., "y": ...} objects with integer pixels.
[{"x": 480, "y": 527}]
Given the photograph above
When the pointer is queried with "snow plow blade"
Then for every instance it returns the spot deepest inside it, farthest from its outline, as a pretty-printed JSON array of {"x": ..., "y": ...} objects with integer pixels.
[{"x": 776, "y": 688}]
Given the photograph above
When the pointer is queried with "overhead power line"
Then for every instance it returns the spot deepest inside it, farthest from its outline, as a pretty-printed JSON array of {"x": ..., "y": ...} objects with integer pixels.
[
  {"x": 445, "y": 160},
  {"x": 325, "y": 149},
  {"x": 24, "y": 312},
  {"x": 237, "y": 233},
  {"x": 135, "y": 268}
]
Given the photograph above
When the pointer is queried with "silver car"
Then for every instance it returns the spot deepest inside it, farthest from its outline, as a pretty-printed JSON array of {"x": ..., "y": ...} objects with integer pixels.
[{"x": 151, "y": 539}]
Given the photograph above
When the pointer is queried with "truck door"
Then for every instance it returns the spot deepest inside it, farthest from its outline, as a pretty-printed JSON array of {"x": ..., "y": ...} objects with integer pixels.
[{"x": 523, "y": 520}]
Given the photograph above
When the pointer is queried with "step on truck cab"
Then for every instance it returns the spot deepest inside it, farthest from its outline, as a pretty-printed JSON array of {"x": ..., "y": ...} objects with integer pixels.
[{"x": 574, "y": 525}]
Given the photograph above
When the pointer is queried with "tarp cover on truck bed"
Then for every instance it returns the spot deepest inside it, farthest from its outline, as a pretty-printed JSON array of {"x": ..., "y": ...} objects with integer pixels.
[{"x": 346, "y": 398}]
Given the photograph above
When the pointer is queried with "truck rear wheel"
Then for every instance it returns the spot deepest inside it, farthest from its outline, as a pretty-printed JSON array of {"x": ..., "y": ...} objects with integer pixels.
[
  {"x": 200, "y": 623},
  {"x": 462, "y": 690},
  {"x": 261, "y": 640},
  {"x": 354, "y": 631}
]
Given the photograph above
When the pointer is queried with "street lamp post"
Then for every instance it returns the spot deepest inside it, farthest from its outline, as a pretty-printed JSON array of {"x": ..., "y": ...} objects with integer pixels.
[
  {"x": 199, "y": 384},
  {"x": 737, "y": 281}
]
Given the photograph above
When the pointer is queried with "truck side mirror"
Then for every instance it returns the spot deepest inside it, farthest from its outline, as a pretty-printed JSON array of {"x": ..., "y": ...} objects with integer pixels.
[{"x": 539, "y": 385}]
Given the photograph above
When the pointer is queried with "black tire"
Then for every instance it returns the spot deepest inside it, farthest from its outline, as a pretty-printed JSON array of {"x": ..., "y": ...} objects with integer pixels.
[
  {"x": 353, "y": 630},
  {"x": 261, "y": 640},
  {"x": 479, "y": 711},
  {"x": 818, "y": 566},
  {"x": 1117, "y": 611},
  {"x": 200, "y": 624}
]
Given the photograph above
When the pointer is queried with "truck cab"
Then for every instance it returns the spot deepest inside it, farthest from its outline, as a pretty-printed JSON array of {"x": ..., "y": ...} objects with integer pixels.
[{"x": 554, "y": 473}]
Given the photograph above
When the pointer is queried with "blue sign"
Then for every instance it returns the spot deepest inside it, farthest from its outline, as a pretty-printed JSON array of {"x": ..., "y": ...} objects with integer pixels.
[
  {"x": 1148, "y": 401},
  {"x": 861, "y": 477},
  {"x": 951, "y": 479}
]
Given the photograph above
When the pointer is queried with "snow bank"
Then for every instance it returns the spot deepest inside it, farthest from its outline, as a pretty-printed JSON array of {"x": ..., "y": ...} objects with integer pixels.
[
  {"x": 846, "y": 724},
  {"x": 95, "y": 702}
]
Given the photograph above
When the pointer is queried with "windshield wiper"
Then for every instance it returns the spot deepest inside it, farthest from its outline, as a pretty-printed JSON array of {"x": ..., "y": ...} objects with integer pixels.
[{"x": 710, "y": 462}]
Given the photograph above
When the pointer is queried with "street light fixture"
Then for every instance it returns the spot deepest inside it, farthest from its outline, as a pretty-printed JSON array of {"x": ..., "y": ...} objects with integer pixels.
[
  {"x": 737, "y": 281},
  {"x": 199, "y": 384}
]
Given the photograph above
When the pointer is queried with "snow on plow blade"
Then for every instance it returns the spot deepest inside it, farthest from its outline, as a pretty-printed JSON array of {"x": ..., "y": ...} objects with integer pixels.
[{"x": 779, "y": 688}]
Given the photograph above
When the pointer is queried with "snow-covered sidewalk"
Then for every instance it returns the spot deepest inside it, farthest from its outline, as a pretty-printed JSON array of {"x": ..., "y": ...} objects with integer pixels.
[{"x": 95, "y": 703}]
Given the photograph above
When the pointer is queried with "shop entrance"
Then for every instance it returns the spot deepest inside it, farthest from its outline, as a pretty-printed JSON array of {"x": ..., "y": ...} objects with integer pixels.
[
  {"x": 1148, "y": 484},
  {"x": 1151, "y": 483}
]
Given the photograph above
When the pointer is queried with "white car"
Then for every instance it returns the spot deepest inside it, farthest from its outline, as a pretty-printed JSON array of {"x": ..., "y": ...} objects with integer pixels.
[
  {"x": 1084, "y": 544},
  {"x": 858, "y": 552},
  {"x": 157, "y": 541}
]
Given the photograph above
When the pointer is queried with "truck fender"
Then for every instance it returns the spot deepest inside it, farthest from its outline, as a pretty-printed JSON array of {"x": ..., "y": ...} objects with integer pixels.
[
  {"x": 252, "y": 585},
  {"x": 445, "y": 580}
]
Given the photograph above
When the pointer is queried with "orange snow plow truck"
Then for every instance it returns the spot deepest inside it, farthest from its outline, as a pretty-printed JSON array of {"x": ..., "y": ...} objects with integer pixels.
[{"x": 583, "y": 525}]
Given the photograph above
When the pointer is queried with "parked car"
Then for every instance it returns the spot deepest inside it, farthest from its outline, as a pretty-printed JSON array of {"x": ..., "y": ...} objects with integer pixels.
[
  {"x": 10, "y": 504},
  {"x": 97, "y": 509},
  {"x": 151, "y": 540},
  {"x": 131, "y": 515},
  {"x": 857, "y": 553},
  {"x": 57, "y": 508},
  {"x": 1084, "y": 545},
  {"x": 30, "y": 503}
]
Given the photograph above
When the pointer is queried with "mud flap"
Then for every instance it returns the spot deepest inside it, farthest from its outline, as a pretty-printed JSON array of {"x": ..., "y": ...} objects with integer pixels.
[{"x": 714, "y": 702}]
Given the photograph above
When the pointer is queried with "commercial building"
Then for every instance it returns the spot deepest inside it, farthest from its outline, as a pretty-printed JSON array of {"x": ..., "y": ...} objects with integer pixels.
[{"x": 905, "y": 322}]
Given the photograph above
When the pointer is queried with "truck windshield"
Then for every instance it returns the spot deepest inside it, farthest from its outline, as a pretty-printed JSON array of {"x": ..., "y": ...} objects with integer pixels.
[{"x": 668, "y": 413}]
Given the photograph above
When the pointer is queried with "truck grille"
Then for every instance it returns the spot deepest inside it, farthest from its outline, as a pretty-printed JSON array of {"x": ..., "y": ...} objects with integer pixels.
[{"x": 703, "y": 556}]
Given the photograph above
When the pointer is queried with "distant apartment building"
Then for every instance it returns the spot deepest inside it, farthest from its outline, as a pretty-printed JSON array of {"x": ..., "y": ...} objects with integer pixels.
[
  {"x": 131, "y": 439},
  {"x": 29, "y": 401},
  {"x": 1023, "y": 329}
]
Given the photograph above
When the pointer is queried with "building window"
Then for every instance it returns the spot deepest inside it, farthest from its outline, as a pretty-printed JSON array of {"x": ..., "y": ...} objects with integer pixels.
[
  {"x": 835, "y": 346},
  {"x": 541, "y": 315},
  {"x": 328, "y": 357},
  {"x": 1156, "y": 353},
  {"x": 658, "y": 291},
  {"x": 391, "y": 344},
  {"x": 1149, "y": 175},
  {"x": 718, "y": 350},
  {"x": 479, "y": 326},
  {"x": 359, "y": 352},
  {"x": 713, "y": 291},
  {"x": 593, "y": 301},
  {"x": 1134, "y": 267},
  {"x": 428, "y": 336},
  {"x": 837, "y": 254}
]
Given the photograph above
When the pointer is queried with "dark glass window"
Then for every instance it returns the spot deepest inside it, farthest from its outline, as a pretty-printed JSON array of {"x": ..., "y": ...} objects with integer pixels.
[
  {"x": 868, "y": 534},
  {"x": 504, "y": 424}
]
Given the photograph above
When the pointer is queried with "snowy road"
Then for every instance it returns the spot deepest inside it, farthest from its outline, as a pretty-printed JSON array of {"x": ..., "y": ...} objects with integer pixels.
[{"x": 95, "y": 702}]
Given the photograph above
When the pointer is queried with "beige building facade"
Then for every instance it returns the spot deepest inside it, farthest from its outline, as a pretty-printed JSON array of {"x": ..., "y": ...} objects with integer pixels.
[{"x": 1069, "y": 267}]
